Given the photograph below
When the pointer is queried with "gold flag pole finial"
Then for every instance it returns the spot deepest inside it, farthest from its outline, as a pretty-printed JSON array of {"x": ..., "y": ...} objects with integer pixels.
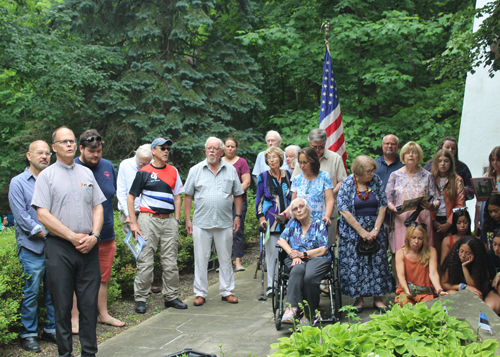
[{"x": 326, "y": 27}]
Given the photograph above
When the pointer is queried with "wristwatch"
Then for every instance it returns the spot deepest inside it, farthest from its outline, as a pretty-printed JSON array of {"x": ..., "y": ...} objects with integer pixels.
[
  {"x": 238, "y": 215},
  {"x": 98, "y": 236},
  {"x": 462, "y": 286},
  {"x": 178, "y": 220},
  {"x": 375, "y": 228},
  {"x": 305, "y": 254}
]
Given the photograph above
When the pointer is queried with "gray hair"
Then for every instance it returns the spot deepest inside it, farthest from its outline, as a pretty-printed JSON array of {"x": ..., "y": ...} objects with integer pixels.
[
  {"x": 397, "y": 139},
  {"x": 143, "y": 151},
  {"x": 318, "y": 135},
  {"x": 295, "y": 149},
  {"x": 214, "y": 138},
  {"x": 296, "y": 202},
  {"x": 275, "y": 133}
]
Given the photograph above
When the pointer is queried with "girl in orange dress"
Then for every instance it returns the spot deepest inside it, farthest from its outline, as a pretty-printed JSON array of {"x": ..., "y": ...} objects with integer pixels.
[{"x": 416, "y": 266}]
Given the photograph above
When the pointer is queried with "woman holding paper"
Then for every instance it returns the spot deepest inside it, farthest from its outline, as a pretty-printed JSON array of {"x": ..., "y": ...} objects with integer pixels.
[
  {"x": 273, "y": 196},
  {"x": 410, "y": 181}
]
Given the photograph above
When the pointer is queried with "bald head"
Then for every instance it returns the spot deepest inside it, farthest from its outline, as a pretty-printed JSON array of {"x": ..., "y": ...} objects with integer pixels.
[{"x": 38, "y": 156}]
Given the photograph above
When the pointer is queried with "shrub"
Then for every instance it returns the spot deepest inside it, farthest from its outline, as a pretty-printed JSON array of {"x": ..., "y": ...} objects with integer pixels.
[
  {"x": 11, "y": 286},
  {"x": 402, "y": 331}
]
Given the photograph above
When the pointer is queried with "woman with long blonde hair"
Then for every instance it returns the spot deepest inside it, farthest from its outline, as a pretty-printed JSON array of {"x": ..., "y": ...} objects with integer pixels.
[{"x": 416, "y": 264}]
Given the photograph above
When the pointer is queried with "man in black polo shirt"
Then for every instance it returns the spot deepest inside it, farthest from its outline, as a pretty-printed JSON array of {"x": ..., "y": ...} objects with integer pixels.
[{"x": 159, "y": 186}]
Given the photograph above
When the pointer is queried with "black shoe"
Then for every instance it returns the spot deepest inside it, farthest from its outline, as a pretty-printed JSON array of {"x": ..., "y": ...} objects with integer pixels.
[
  {"x": 176, "y": 304},
  {"x": 140, "y": 307},
  {"x": 269, "y": 292},
  {"x": 49, "y": 337},
  {"x": 30, "y": 344}
]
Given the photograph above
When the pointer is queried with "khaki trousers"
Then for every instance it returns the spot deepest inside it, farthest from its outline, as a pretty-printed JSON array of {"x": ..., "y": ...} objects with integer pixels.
[{"x": 163, "y": 231}]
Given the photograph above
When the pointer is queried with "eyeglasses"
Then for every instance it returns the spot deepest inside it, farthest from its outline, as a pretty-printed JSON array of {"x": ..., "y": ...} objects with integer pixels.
[
  {"x": 319, "y": 148},
  {"x": 463, "y": 252},
  {"x": 163, "y": 148},
  {"x": 303, "y": 162},
  {"x": 274, "y": 157},
  {"x": 65, "y": 142},
  {"x": 212, "y": 148},
  {"x": 296, "y": 208},
  {"x": 416, "y": 224},
  {"x": 40, "y": 153},
  {"x": 369, "y": 172}
]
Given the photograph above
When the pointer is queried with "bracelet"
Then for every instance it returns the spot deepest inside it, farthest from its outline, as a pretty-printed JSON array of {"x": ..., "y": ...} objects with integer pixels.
[{"x": 440, "y": 291}]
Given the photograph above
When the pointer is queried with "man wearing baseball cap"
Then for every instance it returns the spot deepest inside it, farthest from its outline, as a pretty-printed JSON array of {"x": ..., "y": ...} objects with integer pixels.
[{"x": 159, "y": 186}]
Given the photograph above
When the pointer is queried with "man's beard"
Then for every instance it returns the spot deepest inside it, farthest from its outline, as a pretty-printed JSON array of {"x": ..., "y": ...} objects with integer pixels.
[{"x": 212, "y": 159}]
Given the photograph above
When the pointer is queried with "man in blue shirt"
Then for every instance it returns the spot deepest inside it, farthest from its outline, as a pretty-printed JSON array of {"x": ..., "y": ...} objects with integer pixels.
[
  {"x": 105, "y": 175},
  {"x": 30, "y": 248},
  {"x": 389, "y": 161}
]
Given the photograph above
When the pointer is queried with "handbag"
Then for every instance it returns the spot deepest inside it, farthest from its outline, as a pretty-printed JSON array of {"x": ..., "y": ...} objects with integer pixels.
[
  {"x": 367, "y": 248},
  {"x": 416, "y": 290}
]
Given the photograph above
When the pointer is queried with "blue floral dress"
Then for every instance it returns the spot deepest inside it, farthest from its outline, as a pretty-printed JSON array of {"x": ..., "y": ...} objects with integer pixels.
[
  {"x": 357, "y": 276},
  {"x": 313, "y": 192}
]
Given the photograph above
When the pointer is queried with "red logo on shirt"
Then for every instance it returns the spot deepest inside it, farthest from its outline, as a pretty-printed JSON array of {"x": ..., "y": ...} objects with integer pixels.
[{"x": 107, "y": 174}]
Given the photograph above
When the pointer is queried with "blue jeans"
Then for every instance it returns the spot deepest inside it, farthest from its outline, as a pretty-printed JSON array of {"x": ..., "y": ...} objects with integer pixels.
[{"x": 34, "y": 267}]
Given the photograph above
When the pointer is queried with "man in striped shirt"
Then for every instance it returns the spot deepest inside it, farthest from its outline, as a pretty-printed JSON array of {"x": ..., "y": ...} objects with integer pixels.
[{"x": 159, "y": 186}]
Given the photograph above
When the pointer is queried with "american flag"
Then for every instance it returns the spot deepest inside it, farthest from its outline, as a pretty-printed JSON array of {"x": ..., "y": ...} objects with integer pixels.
[{"x": 330, "y": 117}]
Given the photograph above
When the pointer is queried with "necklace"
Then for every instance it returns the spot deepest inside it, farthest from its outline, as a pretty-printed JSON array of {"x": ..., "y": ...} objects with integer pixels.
[
  {"x": 277, "y": 178},
  {"x": 361, "y": 197}
]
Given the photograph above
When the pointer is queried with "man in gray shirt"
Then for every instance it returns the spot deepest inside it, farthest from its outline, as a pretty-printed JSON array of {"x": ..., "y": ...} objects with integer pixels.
[
  {"x": 68, "y": 203},
  {"x": 212, "y": 184},
  {"x": 30, "y": 246}
]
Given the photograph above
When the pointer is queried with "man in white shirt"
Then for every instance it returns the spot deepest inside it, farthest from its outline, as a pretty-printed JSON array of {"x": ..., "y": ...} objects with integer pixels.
[
  {"x": 126, "y": 175},
  {"x": 273, "y": 138}
]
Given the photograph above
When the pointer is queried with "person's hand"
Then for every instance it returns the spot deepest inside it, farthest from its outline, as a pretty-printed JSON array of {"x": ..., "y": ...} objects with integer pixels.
[
  {"x": 286, "y": 214},
  {"x": 236, "y": 224},
  {"x": 427, "y": 205},
  {"x": 475, "y": 291},
  {"x": 468, "y": 261},
  {"x": 436, "y": 225},
  {"x": 443, "y": 228},
  {"x": 442, "y": 292},
  {"x": 77, "y": 238},
  {"x": 86, "y": 244},
  {"x": 295, "y": 254},
  {"x": 327, "y": 220},
  {"x": 135, "y": 230},
  {"x": 39, "y": 235},
  {"x": 189, "y": 228},
  {"x": 372, "y": 235},
  {"x": 392, "y": 208},
  {"x": 263, "y": 224},
  {"x": 296, "y": 261},
  {"x": 127, "y": 220},
  {"x": 365, "y": 235}
]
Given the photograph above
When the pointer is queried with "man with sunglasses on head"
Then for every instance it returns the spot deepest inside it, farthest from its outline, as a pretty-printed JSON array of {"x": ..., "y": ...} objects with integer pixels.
[
  {"x": 159, "y": 186},
  {"x": 105, "y": 175},
  {"x": 30, "y": 246},
  {"x": 68, "y": 201}
]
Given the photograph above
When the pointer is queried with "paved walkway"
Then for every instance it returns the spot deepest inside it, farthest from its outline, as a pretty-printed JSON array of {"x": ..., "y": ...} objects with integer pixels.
[{"x": 242, "y": 329}]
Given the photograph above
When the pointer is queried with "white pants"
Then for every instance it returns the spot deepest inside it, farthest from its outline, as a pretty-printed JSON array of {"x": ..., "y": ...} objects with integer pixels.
[
  {"x": 202, "y": 244},
  {"x": 271, "y": 256}
]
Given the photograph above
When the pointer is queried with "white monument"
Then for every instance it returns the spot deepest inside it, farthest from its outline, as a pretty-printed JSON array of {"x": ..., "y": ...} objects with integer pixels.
[{"x": 480, "y": 124}]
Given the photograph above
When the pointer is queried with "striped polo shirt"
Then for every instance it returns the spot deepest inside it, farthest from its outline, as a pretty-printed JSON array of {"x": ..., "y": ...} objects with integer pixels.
[{"x": 157, "y": 188}]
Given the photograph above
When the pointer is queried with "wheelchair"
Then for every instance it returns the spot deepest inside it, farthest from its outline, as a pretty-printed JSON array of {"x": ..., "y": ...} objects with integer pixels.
[{"x": 281, "y": 275}]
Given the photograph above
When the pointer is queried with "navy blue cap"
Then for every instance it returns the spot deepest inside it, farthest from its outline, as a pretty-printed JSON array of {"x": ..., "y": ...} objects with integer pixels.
[{"x": 160, "y": 142}]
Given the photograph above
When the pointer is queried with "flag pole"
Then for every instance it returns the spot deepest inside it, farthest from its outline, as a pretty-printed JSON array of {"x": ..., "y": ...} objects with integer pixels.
[{"x": 326, "y": 27}]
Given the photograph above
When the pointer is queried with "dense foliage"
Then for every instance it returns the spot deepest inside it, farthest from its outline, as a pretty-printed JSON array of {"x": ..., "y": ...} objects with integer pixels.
[
  {"x": 187, "y": 69},
  {"x": 402, "y": 331}
]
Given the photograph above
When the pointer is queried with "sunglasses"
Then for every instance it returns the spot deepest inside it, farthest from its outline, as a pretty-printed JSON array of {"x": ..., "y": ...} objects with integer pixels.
[
  {"x": 163, "y": 148},
  {"x": 464, "y": 208},
  {"x": 416, "y": 224},
  {"x": 91, "y": 139}
]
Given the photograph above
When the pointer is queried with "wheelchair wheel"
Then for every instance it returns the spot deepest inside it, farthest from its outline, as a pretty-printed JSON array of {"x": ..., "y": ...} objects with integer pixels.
[
  {"x": 275, "y": 286},
  {"x": 277, "y": 319}
]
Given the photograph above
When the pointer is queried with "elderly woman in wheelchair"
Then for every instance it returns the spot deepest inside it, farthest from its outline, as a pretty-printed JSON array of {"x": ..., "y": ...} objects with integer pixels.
[{"x": 305, "y": 241}]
